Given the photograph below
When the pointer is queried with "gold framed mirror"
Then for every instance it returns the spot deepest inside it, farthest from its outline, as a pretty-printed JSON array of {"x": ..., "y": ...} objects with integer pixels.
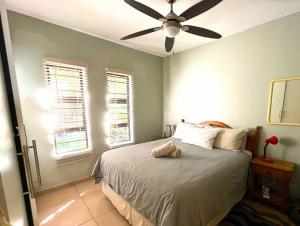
[{"x": 284, "y": 102}]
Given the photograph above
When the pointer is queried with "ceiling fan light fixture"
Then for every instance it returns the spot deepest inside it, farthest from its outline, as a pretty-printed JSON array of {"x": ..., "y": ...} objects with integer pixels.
[{"x": 171, "y": 28}]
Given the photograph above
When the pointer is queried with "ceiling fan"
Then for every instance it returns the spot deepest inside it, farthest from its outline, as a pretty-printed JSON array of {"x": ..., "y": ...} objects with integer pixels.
[{"x": 172, "y": 22}]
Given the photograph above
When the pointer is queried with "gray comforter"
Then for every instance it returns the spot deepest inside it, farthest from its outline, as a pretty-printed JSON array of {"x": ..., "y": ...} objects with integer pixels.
[{"x": 185, "y": 191}]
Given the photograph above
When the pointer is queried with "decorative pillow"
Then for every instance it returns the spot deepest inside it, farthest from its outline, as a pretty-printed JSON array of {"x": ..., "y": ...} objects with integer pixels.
[
  {"x": 231, "y": 139},
  {"x": 251, "y": 132},
  {"x": 183, "y": 128},
  {"x": 203, "y": 137}
]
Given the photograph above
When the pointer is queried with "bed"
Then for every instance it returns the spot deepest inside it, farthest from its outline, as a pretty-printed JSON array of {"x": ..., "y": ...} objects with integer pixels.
[{"x": 197, "y": 189}]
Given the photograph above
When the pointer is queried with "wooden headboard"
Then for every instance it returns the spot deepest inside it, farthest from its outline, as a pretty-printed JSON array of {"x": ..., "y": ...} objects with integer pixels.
[{"x": 252, "y": 139}]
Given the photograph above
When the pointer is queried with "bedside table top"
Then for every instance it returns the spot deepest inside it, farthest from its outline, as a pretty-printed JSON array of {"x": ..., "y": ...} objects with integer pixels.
[{"x": 277, "y": 164}]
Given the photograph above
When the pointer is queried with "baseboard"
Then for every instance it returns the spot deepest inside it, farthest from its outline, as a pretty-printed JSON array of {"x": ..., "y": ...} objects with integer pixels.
[{"x": 62, "y": 186}]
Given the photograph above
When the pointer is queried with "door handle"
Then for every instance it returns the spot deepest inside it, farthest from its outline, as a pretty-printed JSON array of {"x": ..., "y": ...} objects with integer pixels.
[
  {"x": 36, "y": 160},
  {"x": 25, "y": 156}
]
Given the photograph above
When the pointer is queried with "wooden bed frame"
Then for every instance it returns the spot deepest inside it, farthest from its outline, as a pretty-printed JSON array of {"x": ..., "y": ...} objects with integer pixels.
[{"x": 252, "y": 139}]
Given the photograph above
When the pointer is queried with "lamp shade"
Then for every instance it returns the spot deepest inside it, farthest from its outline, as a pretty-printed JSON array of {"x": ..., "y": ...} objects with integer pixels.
[
  {"x": 272, "y": 140},
  {"x": 171, "y": 31},
  {"x": 171, "y": 28}
]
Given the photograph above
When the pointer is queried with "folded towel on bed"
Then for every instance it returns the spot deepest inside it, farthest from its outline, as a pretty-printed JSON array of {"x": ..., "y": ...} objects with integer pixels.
[
  {"x": 168, "y": 149},
  {"x": 175, "y": 154}
]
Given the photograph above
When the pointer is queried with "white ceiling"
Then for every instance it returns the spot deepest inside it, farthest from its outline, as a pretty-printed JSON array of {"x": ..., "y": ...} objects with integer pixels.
[{"x": 113, "y": 19}]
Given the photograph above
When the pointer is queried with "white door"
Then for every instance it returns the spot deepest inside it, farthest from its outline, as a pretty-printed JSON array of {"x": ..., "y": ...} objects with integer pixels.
[{"x": 15, "y": 166}]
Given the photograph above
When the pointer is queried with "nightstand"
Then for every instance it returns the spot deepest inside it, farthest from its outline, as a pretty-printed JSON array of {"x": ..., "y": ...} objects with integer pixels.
[{"x": 271, "y": 181}]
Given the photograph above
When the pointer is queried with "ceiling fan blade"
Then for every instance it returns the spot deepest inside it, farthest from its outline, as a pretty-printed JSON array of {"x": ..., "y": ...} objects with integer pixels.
[
  {"x": 199, "y": 8},
  {"x": 169, "y": 43},
  {"x": 145, "y": 9},
  {"x": 201, "y": 31},
  {"x": 140, "y": 33}
]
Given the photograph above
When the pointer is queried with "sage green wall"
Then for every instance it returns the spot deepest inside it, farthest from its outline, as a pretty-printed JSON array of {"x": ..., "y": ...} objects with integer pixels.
[
  {"x": 33, "y": 39},
  {"x": 228, "y": 80}
]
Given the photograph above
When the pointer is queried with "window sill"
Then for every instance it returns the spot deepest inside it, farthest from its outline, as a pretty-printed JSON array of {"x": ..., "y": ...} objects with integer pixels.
[
  {"x": 73, "y": 157},
  {"x": 114, "y": 146}
]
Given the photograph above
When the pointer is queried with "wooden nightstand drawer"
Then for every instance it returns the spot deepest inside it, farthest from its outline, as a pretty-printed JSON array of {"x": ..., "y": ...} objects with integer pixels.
[{"x": 268, "y": 172}]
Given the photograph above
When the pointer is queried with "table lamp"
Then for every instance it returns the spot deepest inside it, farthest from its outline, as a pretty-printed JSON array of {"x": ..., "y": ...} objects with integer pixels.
[{"x": 271, "y": 140}]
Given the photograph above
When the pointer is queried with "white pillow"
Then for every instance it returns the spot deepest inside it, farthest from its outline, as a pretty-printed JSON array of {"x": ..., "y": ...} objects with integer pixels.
[
  {"x": 203, "y": 137},
  {"x": 183, "y": 128}
]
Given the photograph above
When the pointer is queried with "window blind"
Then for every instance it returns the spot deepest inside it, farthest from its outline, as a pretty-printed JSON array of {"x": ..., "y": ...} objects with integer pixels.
[
  {"x": 68, "y": 84},
  {"x": 119, "y": 103}
]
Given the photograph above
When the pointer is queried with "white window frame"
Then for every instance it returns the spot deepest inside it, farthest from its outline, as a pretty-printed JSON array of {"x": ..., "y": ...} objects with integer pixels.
[
  {"x": 121, "y": 73},
  {"x": 83, "y": 68}
]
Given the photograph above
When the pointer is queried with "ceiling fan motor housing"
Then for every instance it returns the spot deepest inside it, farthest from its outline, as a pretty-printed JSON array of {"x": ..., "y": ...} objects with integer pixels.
[{"x": 171, "y": 1}]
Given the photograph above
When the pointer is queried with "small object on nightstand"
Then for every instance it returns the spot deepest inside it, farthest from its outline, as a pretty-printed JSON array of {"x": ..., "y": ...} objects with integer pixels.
[
  {"x": 271, "y": 140},
  {"x": 271, "y": 181},
  {"x": 266, "y": 192}
]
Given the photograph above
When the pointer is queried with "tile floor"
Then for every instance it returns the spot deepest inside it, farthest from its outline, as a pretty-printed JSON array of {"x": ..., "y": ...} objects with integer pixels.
[{"x": 82, "y": 204}]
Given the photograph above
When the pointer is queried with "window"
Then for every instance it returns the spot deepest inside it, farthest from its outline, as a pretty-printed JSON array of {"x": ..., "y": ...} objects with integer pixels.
[
  {"x": 68, "y": 87},
  {"x": 119, "y": 103}
]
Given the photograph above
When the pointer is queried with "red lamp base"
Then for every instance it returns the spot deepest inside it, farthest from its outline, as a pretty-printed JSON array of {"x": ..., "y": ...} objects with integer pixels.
[{"x": 267, "y": 159}]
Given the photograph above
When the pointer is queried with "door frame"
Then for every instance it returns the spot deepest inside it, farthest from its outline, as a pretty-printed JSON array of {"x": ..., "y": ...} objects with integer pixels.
[{"x": 15, "y": 124}]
